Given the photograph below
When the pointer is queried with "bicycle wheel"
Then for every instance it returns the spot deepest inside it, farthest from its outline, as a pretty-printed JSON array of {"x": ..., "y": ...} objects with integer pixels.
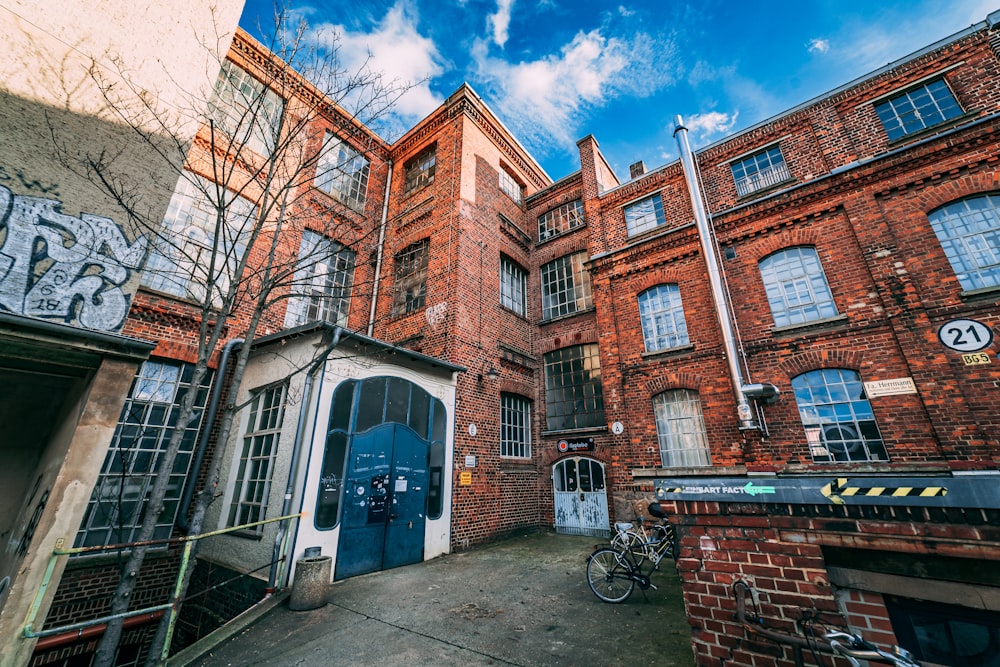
[
  {"x": 608, "y": 576},
  {"x": 630, "y": 541}
]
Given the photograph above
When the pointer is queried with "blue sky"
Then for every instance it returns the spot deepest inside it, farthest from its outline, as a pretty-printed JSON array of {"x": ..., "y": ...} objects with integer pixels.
[{"x": 557, "y": 70}]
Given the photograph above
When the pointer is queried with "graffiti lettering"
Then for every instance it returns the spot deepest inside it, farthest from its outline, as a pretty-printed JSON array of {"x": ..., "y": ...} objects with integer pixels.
[
  {"x": 435, "y": 314},
  {"x": 33, "y": 184},
  {"x": 29, "y": 530},
  {"x": 57, "y": 266}
]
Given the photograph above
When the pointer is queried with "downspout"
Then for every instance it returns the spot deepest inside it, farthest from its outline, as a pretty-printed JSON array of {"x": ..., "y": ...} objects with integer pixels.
[
  {"x": 293, "y": 464},
  {"x": 381, "y": 249},
  {"x": 722, "y": 308},
  {"x": 206, "y": 430}
]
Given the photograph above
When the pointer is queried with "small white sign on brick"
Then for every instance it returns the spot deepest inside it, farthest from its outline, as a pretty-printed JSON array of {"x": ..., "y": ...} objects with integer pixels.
[{"x": 890, "y": 387}]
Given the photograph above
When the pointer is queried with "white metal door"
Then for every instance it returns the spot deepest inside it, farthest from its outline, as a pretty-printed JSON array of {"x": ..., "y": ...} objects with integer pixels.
[{"x": 580, "y": 497}]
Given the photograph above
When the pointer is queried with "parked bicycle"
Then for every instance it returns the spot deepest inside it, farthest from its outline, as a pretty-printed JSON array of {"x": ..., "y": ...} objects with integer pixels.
[
  {"x": 817, "y": 637},
  {"x": 613, "y": 572},
  {"x": 640, "y": 541}
]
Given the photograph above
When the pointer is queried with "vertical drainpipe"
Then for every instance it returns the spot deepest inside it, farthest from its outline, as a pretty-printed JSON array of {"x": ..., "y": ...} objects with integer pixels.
[
  {"x": 293, "y": 464},
  {"x": 722, "y": 308},
  {"x": 381, "y": 248}
]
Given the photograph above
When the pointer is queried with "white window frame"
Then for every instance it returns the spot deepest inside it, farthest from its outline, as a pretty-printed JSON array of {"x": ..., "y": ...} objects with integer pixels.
[
  {"x": 645, "y": 214},
  {"x": 680, "y": 429},
  {"x": 661, "y": 314},
  {"x": 796, "y": 286},
  {"x": 321, "y": 289},
  {"x": 510, "y": 186},
  {"x": 513, "y": 286},
  {"x": 969, "y": 233},
  {"x": 515, "y": 426},
  {"x": 342, "y": 172},
  {"x": 180, "y": 261},
  {"x": 245, "y": 110},
  {"x": 760, "y": 170},
  {"x": 918, "y": 108},
  {"x": 561, "y": 219},
  {"x": 566, "y": 287},
  {"x": 253, "y": 470}
]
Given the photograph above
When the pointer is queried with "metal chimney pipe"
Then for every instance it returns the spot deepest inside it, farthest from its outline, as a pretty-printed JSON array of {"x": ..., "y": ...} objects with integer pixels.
[{"x": 722, "y": 309}]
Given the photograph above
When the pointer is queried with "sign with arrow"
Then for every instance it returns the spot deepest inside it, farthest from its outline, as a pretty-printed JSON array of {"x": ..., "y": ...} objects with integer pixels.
[{"x": 972, "y": 491}]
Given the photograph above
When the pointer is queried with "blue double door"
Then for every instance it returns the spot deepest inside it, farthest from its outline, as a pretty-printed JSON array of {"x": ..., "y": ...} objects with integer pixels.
[{"x": 385, "y": 501}]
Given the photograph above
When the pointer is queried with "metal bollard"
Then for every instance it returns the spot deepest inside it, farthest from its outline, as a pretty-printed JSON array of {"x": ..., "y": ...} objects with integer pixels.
[{"x": 312, "y": 581}]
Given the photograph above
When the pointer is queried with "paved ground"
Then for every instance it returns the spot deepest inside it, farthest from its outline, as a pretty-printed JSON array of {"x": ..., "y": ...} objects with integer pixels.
[{"x": 523, "y": 602}]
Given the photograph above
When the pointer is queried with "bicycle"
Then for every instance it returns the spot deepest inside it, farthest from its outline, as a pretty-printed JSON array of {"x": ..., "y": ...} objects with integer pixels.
[
  {"x": 612, "y": 573},
  {"x": 851, "y": 646},
  {"x": 640, "y": 542}
]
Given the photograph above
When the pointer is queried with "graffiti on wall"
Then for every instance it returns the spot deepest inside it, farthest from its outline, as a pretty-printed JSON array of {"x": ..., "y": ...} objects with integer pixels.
[{"x": 60, "y": 267}]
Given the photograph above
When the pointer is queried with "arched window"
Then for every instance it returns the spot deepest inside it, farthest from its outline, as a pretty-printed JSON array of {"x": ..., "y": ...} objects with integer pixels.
[
  {"x": 662, "y": 317},
  {"x": 838, "y": 419},
  {"x": 969, "y": 233},
  {"x": 796, "y": 287},
  {"x": 680, "y": 429}
]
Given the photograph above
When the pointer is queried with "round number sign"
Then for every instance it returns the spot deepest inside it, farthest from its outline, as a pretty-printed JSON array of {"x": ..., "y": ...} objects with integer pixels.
[{"x": 965, "y": 335}]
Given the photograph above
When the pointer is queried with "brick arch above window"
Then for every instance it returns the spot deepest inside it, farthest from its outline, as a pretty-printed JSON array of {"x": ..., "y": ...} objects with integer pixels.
[
  {"x": 674, "y": 381},
  {"x": 661, "y": 276},
  {"x": 567, "y": 340},
  {"x": 946, "y": 192},
  {"x": 517, "y": 387},
  {"x": 789, "y": 239},
  {"x": 817, "y": 359},
  {"x": 559, "y": 250}
]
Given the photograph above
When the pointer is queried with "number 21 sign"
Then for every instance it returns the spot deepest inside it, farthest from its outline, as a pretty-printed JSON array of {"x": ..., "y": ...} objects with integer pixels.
[{"x": 965, "y": 335}]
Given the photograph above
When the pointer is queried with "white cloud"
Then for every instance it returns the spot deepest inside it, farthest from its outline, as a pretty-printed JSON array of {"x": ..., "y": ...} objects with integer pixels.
[
  {"x": 817, "y": 45},
  {"x": 545, "y": 100},
  {"x": 499, "y": 21},
  {"x": 396, "y": 50},
  {"x": 706, "y": 127}
]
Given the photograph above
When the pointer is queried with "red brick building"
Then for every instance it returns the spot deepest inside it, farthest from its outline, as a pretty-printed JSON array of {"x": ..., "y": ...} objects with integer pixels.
[{"x": 858, "y": 243}]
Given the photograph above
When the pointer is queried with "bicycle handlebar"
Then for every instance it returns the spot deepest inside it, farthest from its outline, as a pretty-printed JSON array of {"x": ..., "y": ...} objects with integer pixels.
[{"x": 855, "y": 648}]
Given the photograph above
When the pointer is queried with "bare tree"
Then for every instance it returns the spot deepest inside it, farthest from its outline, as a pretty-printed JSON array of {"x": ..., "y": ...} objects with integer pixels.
[{"x": 267, "y": 134}]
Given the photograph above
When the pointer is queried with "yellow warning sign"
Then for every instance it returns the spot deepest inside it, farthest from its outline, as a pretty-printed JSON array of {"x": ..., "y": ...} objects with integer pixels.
[
  {"x": 976, "y": 358},
  {"x": 465, "y": 478}
]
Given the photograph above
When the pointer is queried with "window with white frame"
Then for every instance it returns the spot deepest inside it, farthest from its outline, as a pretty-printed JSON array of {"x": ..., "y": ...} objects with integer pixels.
[
  {"x": 796, "y": 287},
  {"x": 255, "y": 466},
  {"x": 148, "y": 420},
  {"x": 343, "y": 172},
  {"x": 837, "y": 418},
  {"x": 969, "y": 233},
  {"x": 245, "y": 110},
  {"x": 411, "y": 278},
  {"x": 917, "y": 109},
  {"x": 321, "y": 290},
  {"x": 188, "y": 259},
  {"x": 515, "y": 426},
  {"x": 566, "y": 286},
  {"x": 574, "y": 397},
  {"x": 680, "y": 429},
  {"x": 513, "y": 286},
  {"x": 644, "y": 214},
  {"x": 662, "y": 316},
  {"x": 561, "y": 219},
  {"x": 420, "y": 170},
  {"x": 759, "y": 171},
  {"x": 511, "y": 187}
]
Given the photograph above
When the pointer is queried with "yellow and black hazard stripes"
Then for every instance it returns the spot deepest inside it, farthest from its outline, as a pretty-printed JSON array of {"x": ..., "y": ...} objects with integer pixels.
[{"x": 841, "y": 488}]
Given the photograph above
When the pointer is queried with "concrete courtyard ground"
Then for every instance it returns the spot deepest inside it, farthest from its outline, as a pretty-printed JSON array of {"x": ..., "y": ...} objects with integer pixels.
[{"x": 523, "y": 601}]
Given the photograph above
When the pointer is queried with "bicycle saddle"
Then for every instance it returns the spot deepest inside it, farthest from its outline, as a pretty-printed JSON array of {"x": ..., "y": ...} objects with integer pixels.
[{"x": 654, "y": 510}]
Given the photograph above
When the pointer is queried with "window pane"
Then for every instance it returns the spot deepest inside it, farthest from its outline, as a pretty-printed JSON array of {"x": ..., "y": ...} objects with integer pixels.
[
  {"x": 560, "y": 219},
  {"x": 796, "y": 287},
  {"x": 420, "y": 170},
  {"x": 759, "y": 171},
  {"x": 515, "y": 426},
  {"x": 839, "y": 424},
  {"x": 118, "y": 500},
  {"x": 342, "y": 172},
  {"x": 644, "y": 214},
  {"x": 411, "y": 278},
  {"x": 662, "y": 317},
  {"x": 969, "y": 233},
  {"x": 680, "y": 429},
  {"x": 573, "y": 394},
  {"x": 513, "y": 286},
  {"x": 917, "y": 109},
  {"x": 252, "y": 484},
  {"x": 566, "y": 286}
]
